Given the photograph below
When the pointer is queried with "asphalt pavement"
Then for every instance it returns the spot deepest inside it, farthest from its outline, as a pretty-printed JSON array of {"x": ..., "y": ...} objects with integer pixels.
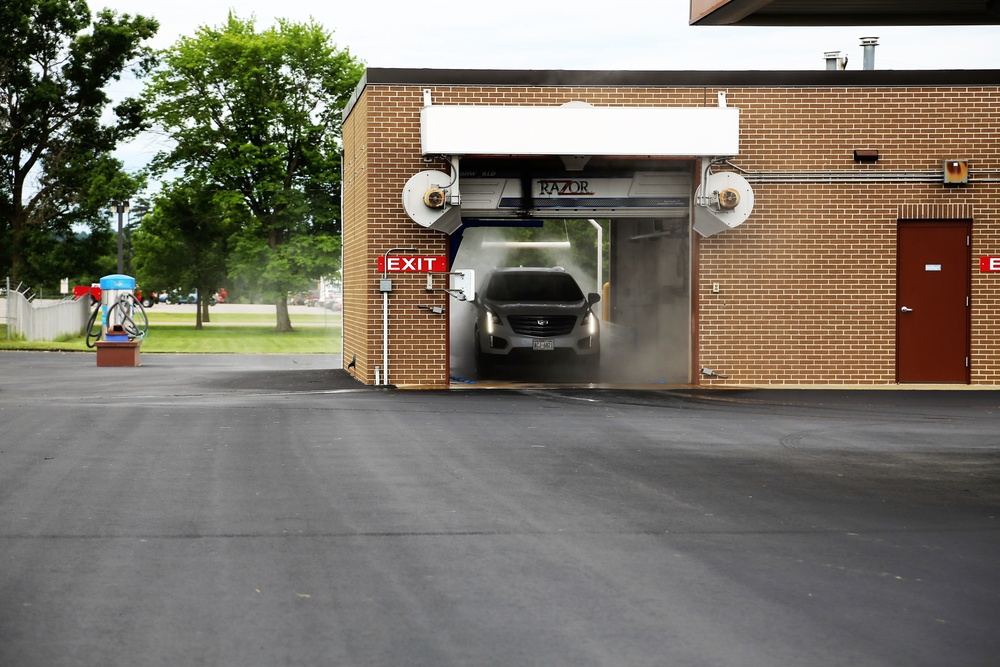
[{"x": 271, "y": 510}]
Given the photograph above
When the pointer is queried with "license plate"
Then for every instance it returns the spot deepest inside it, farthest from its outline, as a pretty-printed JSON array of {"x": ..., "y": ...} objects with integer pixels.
[{"x": 543, "y": 345}]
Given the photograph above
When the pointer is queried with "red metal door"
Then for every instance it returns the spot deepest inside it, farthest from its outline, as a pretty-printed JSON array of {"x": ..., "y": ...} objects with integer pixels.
[{"x": 932, "y": 301}]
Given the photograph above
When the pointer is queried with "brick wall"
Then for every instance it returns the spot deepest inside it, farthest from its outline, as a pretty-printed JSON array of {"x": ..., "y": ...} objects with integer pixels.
[
  {"x": 358, "y": 303},
  {"x": 807, "y": 284},
  {"x": 381, "y": 152}
]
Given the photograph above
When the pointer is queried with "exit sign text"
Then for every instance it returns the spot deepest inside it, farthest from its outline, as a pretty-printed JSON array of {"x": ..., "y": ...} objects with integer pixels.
[
  {"x": 413, "y": 264},
  {"x": 989, "y": 264}
]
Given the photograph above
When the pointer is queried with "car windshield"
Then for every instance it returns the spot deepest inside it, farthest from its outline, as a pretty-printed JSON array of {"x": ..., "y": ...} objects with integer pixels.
[{"x": 547, "y": 287}]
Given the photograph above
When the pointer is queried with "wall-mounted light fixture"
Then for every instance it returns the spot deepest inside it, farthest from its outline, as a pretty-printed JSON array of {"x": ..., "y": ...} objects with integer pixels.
[
  {"x": 866, "y": 155},
  {"x": 955, "y": 171}
]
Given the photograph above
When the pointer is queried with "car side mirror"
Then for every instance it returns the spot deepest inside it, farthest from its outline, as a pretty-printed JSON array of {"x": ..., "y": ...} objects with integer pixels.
[
  {"x": 463, "y": 284},
  {"x": 593, "y": 298}
]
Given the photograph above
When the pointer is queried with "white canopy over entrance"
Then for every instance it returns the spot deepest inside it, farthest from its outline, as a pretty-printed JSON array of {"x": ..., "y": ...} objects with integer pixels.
[{"x": 579, "y": 130}]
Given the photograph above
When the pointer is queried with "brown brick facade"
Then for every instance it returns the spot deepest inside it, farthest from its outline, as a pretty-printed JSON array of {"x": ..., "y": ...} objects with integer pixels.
[
  {"x": 381, "y": 151},
  {"x": 806, "y": 286}
]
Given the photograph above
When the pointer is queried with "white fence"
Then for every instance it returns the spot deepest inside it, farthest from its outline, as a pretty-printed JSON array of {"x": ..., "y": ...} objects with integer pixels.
[{"x": 42, "y": 319}]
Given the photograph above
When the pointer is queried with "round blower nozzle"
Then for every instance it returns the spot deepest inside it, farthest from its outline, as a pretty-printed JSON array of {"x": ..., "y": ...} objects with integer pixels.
[
  {"x": 434, "y": 198},
  {"x": 729, "y": 199}
]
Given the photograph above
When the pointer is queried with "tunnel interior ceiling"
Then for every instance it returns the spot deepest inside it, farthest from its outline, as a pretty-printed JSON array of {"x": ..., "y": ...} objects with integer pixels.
[
  {"x": 554, "y": 165},
  {"x": 546, "y": 188}
]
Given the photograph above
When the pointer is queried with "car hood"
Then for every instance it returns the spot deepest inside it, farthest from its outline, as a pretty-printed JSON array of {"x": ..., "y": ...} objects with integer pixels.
[{"x": 501, "y": 308}]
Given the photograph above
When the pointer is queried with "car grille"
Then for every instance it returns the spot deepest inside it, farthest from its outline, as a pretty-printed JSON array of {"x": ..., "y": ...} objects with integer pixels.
[{"x": 542, "y": 326}]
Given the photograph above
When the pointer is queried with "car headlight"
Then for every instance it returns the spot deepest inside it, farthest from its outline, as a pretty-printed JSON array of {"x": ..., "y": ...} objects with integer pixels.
[
  {"x": 491, "y": 321},
  {"x": 590, "y": 322}
]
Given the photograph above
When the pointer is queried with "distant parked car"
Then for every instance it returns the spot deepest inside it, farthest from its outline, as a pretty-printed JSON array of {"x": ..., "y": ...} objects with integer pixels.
[
  {"x": 94, "y": 292},
  {"x": 148, "y": 300},
  {"x": 180, "y": 296},
  {"x": 305, "y": 299}
]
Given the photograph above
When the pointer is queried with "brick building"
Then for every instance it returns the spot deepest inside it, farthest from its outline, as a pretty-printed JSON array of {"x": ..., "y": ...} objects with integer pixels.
[{"x": 858, "y": 265}]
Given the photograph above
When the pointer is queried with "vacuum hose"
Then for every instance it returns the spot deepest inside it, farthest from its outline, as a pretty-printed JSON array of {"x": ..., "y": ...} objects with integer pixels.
[
  {"x": 127, "y": 312},
  {"x": 93, "y": 336}
]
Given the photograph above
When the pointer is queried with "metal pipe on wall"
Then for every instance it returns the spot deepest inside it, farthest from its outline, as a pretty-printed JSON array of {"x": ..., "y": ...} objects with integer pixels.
[
  {"x": 851, "y": 176},
  {"x": 385, "y": 311},
  {"x": 600, "y": 255}
]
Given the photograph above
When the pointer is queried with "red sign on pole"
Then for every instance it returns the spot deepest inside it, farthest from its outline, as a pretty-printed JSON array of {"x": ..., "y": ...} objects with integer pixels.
[
  {"x": 413, "y": 264},
  {"x": 989, "y": 264}
]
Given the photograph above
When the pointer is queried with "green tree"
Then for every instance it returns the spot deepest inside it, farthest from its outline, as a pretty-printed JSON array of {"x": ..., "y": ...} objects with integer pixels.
[
  {"x": 56, "y": 165},
  {"x": 181, "y": 242},
  {"x": 81, "y": 256},
  {"x": 258, "y": 114},
  {"x": 581, "y": 255}
]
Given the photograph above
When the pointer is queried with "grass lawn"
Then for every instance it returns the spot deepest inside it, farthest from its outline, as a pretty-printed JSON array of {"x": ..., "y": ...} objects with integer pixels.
[
  {"x": 231, "y": 333},
  {"x": 241, "y": 339},
  {"x": 320, "y": 318}
]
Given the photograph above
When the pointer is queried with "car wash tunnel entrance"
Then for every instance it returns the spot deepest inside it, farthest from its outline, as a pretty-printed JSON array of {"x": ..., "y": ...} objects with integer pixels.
[{"x": 619, "y": 228}]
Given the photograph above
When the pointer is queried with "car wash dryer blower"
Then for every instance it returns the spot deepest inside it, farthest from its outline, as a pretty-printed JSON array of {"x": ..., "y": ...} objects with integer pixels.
[{"x": 123, "y": 323}]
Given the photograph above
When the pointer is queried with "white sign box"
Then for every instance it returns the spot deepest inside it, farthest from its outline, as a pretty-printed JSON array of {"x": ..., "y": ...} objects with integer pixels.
[{"x": 580, "y": 130}]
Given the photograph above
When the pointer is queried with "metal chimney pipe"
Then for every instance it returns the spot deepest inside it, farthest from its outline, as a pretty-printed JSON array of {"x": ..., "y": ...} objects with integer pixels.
[
  {"x": 834, "y": 61},
  {"x": 869, "y": 43}
]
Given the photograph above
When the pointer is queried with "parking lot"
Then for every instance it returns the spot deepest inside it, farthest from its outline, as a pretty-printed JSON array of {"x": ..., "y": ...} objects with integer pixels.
[{"x": 270, "y": 510}]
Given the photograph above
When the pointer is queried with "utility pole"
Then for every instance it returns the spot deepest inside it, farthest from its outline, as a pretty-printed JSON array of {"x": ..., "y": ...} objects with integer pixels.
[{"x": 121, "y": 207}]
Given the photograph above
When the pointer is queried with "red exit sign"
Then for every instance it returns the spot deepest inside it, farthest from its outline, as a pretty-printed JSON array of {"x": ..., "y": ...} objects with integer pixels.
[
  {"x": 989, "y": 264},
  {"x": 413, "y": 264}
]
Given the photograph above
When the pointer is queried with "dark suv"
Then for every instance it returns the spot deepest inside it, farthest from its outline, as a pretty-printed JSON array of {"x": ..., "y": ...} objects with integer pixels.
[{"x": 535, "y": 316}]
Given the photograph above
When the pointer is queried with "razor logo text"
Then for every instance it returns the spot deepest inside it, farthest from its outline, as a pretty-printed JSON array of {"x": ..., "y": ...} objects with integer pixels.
[{"x": 563, "y": 187}]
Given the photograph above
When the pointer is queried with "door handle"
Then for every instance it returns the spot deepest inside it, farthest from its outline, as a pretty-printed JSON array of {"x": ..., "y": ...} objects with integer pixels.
[{"x": 904, "y": 309}]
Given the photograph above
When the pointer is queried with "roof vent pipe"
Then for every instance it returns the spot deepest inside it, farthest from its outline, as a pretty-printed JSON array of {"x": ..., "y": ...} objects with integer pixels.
[
  {"x": 869, "y": 43},
  {"x": 834, "y": 61}
]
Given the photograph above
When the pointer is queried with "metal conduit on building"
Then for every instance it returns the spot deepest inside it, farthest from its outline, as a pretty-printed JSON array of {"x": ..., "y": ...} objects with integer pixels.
[{"x": 845, "y": 176}]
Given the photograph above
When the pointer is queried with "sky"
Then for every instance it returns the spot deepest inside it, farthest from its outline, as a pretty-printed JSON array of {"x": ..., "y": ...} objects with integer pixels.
[{"x": 585, "y": 34}]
